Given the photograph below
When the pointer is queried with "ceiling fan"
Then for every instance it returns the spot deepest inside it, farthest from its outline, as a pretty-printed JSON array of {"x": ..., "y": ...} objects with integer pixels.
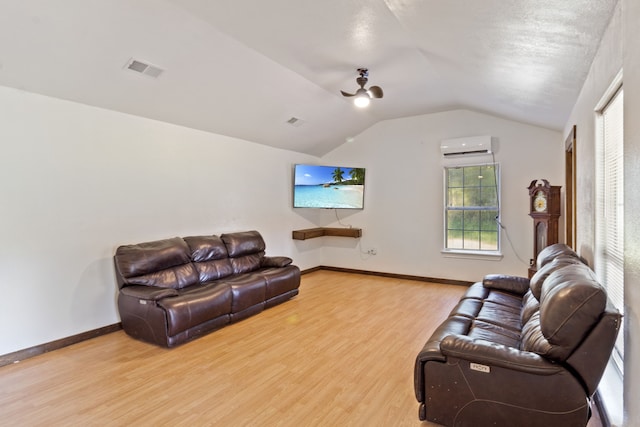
[{"x": 363, "y": 96}]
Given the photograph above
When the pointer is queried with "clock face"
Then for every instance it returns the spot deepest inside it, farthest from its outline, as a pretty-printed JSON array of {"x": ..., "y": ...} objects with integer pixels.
[{"x": 540, "y": 202}]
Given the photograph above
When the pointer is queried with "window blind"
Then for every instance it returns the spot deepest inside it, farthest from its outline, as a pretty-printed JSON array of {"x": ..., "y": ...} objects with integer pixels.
[{"x": 609, "y": 255}]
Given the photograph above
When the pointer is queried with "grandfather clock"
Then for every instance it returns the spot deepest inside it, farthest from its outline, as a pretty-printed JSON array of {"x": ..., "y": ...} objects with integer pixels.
[{"x": 544, "y": 208}]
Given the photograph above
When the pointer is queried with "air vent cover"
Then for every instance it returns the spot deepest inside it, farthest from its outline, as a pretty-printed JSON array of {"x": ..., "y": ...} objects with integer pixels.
[
  {"x": 295, "y": 122},
  {"x": 144, "y": 68}
]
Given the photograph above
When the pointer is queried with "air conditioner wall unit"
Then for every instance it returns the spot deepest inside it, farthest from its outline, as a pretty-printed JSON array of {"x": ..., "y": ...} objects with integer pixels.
[{"x": 468, "y": 146}]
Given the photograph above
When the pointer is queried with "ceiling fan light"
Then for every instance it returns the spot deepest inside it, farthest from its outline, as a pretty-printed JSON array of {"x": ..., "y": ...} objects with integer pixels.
[{"x": 362, "y": 100}]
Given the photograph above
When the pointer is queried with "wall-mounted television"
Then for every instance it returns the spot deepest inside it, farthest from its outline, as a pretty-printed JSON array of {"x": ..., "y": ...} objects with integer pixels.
[{"x": 328, "y": 187}]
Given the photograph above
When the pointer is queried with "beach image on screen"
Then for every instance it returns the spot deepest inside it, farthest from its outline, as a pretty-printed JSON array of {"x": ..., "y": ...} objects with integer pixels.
[{"x": 328, "y": 187}]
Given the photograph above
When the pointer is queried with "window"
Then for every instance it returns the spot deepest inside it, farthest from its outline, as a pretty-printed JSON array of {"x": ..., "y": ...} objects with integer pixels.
[
  {"x": 609, "y": 245},
  {"x": 472, "y": 208}
]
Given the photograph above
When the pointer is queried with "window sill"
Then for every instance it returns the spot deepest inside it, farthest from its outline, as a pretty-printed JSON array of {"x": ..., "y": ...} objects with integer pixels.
[
  {"x": 482, "y": 255},
  {"x": 608, "y": 396}
]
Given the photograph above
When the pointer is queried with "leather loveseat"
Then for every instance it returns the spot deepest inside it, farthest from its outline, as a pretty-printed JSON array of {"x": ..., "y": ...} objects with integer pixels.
[
  {"x": 174, "y": 290},
  {"x": 520, "y": 352}
]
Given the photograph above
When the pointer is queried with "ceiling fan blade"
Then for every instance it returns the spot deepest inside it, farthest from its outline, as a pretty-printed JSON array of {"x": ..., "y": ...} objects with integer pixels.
[
  {"x": 376, "y": 92},
  {"x": 347, "y": 94}
]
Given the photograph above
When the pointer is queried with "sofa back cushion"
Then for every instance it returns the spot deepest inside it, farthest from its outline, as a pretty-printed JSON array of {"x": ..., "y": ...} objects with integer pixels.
[
  {"x": 245, "y": 249},
  {"x": 162, "y": 263},
  {"x": 530, "y": 305},
  {"x": 210, "y": 257},
  {"x": 571, "y": 303},
  {"x": 535, "y": 284},
  {"x": 552, "y": 252}
]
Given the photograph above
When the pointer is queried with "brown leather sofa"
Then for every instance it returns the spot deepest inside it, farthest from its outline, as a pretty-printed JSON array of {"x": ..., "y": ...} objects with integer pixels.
[
  {"x": 174, "y": 290},
  {"x": 520, "y": 352}
]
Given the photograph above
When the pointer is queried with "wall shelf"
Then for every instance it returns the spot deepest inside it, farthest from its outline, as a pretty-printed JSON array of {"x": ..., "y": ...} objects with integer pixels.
[{"x": 311, "y": 233}]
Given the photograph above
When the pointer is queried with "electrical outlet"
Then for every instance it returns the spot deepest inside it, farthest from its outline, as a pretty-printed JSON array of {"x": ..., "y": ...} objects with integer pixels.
[{"x": 372, "y": 252}]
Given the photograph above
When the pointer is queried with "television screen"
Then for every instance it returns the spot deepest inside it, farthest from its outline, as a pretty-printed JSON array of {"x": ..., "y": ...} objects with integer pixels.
[{"x": 328, "y": 187}]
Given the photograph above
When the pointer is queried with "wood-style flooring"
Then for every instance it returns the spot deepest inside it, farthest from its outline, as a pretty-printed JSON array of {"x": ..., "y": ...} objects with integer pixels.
[{"x": 339, "y": 354}]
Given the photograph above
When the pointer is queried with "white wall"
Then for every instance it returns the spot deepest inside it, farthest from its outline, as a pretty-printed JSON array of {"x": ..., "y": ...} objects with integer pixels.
[
  {"x": 403, "y": 215},
  {"x": 619, "y": 50},
  {"x": 77, "y": 181},
  {"x": 607, "y": 64},
  {"x": 631, "y": 40}
]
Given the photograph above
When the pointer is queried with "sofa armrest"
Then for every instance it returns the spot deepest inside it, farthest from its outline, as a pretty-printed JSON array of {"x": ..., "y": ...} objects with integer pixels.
[
  {"x": 275, "y": 261},
  {"x": 149, "y": 293},
  {"x": 514, "y": 284},
  {"x": 492, "y": 354}
]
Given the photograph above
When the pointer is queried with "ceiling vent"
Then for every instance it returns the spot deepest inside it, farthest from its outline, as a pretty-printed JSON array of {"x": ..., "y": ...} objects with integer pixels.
[
  {"x": 144, "y": 68},
  {"x": 295, "y": 122}
]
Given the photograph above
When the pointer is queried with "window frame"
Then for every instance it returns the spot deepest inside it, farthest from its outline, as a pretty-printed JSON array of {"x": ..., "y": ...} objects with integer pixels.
[{"x": 471, "y": 252}]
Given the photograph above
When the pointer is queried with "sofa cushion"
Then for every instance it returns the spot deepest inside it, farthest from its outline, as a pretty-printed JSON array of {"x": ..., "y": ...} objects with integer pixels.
[
  {"x": 196, "y": 306},
  {"x": 245, "y": 264},
  {"x": 246, "y": 250},
  {"x": 275, "y": 261},
  {"x": 501, "y": 315},
  {"x": 504, "y": 282},
  {"x": 571, "y": 303},
  {"x": 476, "y": 291},
  {"x": 535, "y": 284},
  {"x": 210, "y": 257},
  {"x": 280, "y": 280},
  {"x": 247, "y": 290},
  {"x": 506, "y": 299},
  {"x": 551, "y": 252},
  {"x": 162, "y": 263},
  {"x": 206, "y": 248},
  {"x": 494, "y": 333},
  {"x": 467, "y": 307},
  {"x": 243, "y": 243},
  {"x": 533, "y": 339},
  {"x": 529, "y": 306}
]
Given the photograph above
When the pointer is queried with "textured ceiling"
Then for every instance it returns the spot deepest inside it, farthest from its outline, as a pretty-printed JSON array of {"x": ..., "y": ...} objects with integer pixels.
[{"x": 243, "y": 68}]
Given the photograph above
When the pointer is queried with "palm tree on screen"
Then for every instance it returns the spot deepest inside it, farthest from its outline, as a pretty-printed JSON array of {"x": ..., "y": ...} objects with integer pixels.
[
  {"x": 338, "y": 175},
  {"x": 357, "y": 175}
]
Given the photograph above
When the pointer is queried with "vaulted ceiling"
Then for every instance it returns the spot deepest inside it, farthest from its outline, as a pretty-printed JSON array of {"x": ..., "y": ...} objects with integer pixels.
[{"x": 243, "y": 68}]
